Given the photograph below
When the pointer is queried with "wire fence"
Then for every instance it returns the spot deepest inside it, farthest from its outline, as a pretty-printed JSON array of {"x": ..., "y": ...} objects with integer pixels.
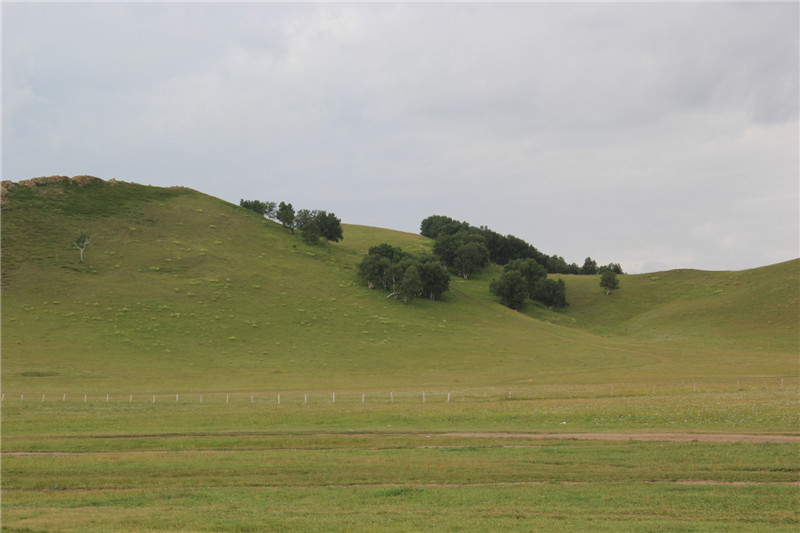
[{"x": 401, "y": 396}]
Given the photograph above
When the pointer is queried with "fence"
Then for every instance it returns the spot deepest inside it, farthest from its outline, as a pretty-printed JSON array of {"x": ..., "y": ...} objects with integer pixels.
[{"x": 488, "y": 394}]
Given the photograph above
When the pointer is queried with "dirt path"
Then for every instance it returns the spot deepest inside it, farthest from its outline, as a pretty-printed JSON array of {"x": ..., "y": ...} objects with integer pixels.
[
  {"x": 671, "y": 437},
  {"x": 619, "y": 437}
]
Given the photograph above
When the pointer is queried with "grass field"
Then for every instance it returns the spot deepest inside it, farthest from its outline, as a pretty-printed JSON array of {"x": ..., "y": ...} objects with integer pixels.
[{"x": 205, "y": 370}]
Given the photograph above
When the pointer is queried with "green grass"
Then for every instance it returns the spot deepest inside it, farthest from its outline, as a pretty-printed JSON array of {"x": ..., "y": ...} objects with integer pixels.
[
  {"x": 183, "y": 294},
  {"x": 551, "y": 507}
]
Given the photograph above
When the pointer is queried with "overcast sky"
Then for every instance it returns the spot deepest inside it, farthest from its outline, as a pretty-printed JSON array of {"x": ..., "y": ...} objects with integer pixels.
[{"x": 659, "y": 136}]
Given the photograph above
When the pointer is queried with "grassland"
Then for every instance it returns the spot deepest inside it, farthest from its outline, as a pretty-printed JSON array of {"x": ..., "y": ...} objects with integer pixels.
[{"x": 145, "y": 384}]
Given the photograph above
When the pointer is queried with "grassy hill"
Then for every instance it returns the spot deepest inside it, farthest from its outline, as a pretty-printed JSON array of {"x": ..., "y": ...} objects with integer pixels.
[{"x": 181, "y": 291}]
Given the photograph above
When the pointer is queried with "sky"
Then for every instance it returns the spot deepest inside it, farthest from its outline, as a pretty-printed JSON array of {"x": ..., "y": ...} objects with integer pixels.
[{"x": 655, "y": 135}]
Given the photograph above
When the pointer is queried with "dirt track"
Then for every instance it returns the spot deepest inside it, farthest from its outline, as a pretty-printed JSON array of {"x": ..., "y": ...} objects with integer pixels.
[{"x": 671, "y": 437}]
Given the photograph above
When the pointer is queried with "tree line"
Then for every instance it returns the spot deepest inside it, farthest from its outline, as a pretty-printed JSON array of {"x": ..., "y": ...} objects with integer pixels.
[
  {"x": 467, "y": 249},
  {"x": 313, "y": 224},
  {"x": 451, "y": 234}
]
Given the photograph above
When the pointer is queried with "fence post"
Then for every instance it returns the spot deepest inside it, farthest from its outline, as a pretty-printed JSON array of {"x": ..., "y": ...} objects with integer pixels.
[
  {"x": 42, "y": 397},
  {"x": 201, "y": 399},
  {"x": 154, "y": 398},
  {"x": 227, "y": 398},
  {"x": 305, "y": 399},
  {"x": 131, "y": 399},
  {"x": 362, "y": 398},
  {"x": 391, "y": 396},
  {"x": 176, "y": 398},
  {"x": 334, "y": 398},
  {"x": 84, "y": 398},
  {"x": 106, "y": 398},
  {"x": 64, "y": 398},
  {"x": 423, "y": 396},
  {"x": 448, "y": 397}
]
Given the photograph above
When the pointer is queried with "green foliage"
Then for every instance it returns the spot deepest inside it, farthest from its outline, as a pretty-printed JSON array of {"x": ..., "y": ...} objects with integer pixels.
[
  {"x": 323, "y": 224},
  {"x": 435, "y": 277},
  {"x": 311, "y": 232},
  {"x": 517, "y": 282},
  {"x": 531, "y": 273},
  {"x": 609, "y": 281},
  {"x": 330, "y": 225},
  {"x": 470, "y": 257},
  {"x": 435, "y": 225},
  {"x": 589, "y": 267},
  {"x": 411, "y": 285},
  {"x": 613, "y": 267},
  {"x": 511, "y": 288},
  {"x": 552, "y": 293}
]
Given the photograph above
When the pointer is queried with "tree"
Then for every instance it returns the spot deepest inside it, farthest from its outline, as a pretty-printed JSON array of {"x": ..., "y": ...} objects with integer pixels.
[
  {"x": 609, "y": 281},
  {"x": 470, "y": 257},
  {"x": 301, "y": 218},
  {"x": 411, "y": 285},
  {"x": 435, "y": 225},
  {"x": 511, "y": 288},
  {"x": 286, "y": 216},
  {"x": 531, "y": 273},
  {"x": 435, "y": 277},
  {"x": 311, "y": 232},
  {"x": 551, "y": 293},
  {"x": 81, "y": 242},
  {"x": 589, "y": 266},
  {"x": 270, "y": 210},
  {"x": 330, "y": 226},
  {"x": 373, "y": 269}
]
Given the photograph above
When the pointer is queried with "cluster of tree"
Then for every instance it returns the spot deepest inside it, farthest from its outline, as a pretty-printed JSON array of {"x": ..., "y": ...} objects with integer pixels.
[
  {"x": 526, "y": 278},
  {"x": 501, "y": 249},
  {"x": 404, "y": 275},
  {"x": 314, "y": 224}
]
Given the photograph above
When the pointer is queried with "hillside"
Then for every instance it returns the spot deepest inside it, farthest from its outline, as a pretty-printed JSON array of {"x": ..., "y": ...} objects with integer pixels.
[{"x": 180, "y": 288}]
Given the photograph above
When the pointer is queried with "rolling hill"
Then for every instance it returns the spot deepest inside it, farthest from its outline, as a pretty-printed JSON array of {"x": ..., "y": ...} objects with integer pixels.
[{"x": 183, "y": 291}]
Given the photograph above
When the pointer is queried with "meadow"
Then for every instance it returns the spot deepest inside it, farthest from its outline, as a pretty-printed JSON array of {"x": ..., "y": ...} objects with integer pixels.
[{"x": 206, "y": 370}]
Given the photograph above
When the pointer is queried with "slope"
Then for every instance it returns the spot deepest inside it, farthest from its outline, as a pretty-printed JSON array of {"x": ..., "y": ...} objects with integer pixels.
[
  {"x": 181, "y": 291},
  {"x": 756, "y": 309}
]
